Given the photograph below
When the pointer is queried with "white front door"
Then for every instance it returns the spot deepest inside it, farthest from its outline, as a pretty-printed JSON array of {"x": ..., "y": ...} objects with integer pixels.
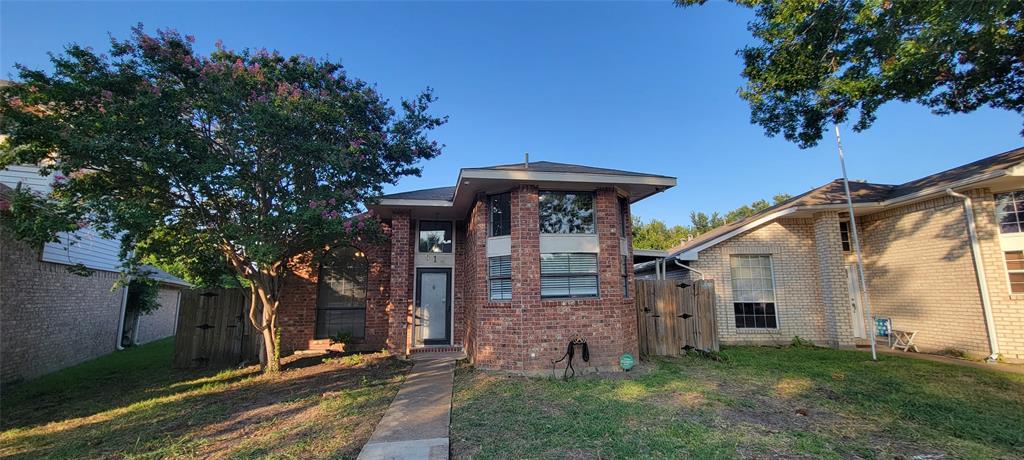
[{"x": 856, "y": 310}]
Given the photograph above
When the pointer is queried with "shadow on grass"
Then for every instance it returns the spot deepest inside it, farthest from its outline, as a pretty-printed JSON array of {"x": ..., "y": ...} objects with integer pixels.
[
  {"x": 330, "y": 408},
  {"x": 760, "y": 402}
]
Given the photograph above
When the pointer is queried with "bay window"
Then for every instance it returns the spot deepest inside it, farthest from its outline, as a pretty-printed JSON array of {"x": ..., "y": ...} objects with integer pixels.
[
  {"x": 568, "y": 275},
  {"x": 567, "y": 212}
]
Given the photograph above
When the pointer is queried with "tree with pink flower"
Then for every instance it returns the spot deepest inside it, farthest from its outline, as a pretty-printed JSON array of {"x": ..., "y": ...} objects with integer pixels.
[{"x": 236, "y": 161}]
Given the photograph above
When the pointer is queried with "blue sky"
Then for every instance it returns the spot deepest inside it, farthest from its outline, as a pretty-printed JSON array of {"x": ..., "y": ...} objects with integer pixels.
[{"x": 637, "y": 86}]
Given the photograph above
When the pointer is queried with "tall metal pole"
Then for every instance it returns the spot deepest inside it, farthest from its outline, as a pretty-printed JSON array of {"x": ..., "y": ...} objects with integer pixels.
[{"x": 856, "y": 247}]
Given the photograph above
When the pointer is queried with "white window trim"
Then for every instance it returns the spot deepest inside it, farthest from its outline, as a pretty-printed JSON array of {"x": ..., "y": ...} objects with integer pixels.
[
  {"x": 775, "y": 294},
  {"x": 1007, "y": 272}
]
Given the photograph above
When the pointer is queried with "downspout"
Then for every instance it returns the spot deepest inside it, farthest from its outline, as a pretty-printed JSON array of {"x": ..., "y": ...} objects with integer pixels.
[
  {"x": 120, "y": 322},
  {"x": 986, "y": 306},
  {"x": 698, "y": 272}
]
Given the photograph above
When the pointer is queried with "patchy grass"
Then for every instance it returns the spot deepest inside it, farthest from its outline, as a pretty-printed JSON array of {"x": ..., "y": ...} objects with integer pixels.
[
  {"x": 793, "y": 402},
  {"x": 131, "y": 404}
]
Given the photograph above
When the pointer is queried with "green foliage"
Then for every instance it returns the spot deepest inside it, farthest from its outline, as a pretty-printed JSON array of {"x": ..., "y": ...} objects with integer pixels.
[
  {"x": 247, "y": 157},
  {"x": 655, "y": 234},
  {"x": 142, "y": 295},
  {"x": 817, "y": 61},
  {"x": 800, "y": 342},
  {"x": 224, "y": 165},
  {"x": 341, "y": 338}
]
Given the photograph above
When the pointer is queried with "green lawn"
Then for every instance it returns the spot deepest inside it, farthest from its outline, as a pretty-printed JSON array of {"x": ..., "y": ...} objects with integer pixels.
[
  {"x": 131, "y": 404},
  {"x": 761, "y": 402}
]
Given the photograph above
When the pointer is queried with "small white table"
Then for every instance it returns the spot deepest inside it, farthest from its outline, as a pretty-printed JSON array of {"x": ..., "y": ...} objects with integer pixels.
[{"x": 903, "y": 340}]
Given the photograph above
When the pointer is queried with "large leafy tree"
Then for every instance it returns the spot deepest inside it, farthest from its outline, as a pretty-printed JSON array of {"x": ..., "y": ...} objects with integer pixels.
[
  {"x": 816, "y": 62},
  {"x": 239, "y": 160},
  {"x": 655, "y": 234}
]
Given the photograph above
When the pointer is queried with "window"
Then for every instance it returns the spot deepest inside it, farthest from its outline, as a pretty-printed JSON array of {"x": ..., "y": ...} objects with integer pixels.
[
  {"x": 623, "y": 215},
  {"x": 1010, "y": 212},
  {"x": 566, "y": 212},
  {"x": 568, "y": 275},
  {"x": 500, "y": 275},
  {"x": 625, "y": 276},
  {"x": 753, "y": 291},
  {"x": 844, "y": 235},
  {"x": 341, "y": 294},
  {"x": 1015, "y": 268},
  {"x": 500, "y": 214},
  {"x": 435, "y": 236}
]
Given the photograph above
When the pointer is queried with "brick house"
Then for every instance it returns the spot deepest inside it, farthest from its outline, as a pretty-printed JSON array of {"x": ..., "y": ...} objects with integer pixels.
[
  {"x": 51, "y": 318},
  {"x": 789, "y": 270},
  {"x": 509, "y": 264}
]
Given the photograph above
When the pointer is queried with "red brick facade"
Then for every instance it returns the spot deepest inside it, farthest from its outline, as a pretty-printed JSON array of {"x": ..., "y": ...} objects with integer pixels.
[{"x": 524, "y": 334}]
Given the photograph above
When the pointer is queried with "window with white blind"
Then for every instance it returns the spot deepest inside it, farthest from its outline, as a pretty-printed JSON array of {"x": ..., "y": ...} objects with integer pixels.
[
  {"x": 500, "y": 277},
  {"x": 341, "y": 294},
  {"x": 568, "y": 274},
  {"x": 1015, "y": 270},
  {"x": 753, "y": 291}
]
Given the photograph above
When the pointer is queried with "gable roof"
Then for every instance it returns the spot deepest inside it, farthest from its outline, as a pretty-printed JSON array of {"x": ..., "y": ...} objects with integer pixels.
[
  {"x": 454, "y": 202},
  {"x": 833, "y": 193}
]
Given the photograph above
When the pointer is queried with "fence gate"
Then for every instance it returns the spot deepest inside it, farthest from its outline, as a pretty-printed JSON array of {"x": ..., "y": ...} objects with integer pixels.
[
  {"x": 214, "y": 330},
  {"x": 673, "y": 319}
]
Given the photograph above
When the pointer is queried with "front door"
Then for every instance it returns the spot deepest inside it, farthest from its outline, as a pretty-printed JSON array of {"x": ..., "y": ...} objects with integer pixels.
[
  {"x": 433, "y": 306},
  {"x": 856, "y": 310}
]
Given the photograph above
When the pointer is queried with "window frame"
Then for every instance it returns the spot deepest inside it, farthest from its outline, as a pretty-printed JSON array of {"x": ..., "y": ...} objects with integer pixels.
[
  {"x": 1010, "y": 272},
  {"x": 318, "y": 308},
  {"x": 1017, "y": 200},
  {"x": 491, "y": 278},
  {"x": 450, "y": 242},
  {"x": 593, "y": 211},
  {"x": 774, "y": 291},
  {"x": 624, "y": 261},
  {"x": 570, "y": 275},
  {"x": 490, "y": 214},
  {"x": 844, "y": 236},
  {"x": 623, "y": 214}
]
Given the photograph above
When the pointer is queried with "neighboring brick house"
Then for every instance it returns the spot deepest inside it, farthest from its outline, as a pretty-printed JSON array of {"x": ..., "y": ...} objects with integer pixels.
[
  {"x": 508, "y": 265},
  {"x": 789, "y": 270},
  {"x": 51, "y": 318}
]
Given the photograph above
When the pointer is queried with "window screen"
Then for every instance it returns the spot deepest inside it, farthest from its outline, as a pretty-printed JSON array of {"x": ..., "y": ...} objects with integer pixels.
[
  {"x": 341, "y": 294},
  {"x": 568, "y": 275},
  {"x": 500, "y": 277},
  {"x": 753, "y": 291}
]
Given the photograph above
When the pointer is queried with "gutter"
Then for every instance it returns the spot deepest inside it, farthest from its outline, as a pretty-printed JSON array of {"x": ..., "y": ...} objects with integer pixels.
[
  {"x": 698, "y": 272},
  {"x": 986, "y": 305}
]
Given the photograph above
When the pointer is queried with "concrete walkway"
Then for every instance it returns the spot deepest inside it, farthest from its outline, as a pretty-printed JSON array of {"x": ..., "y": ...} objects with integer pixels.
[
  {"x": 1004, "y": 367},
  {"x": 415, "y": 426}
]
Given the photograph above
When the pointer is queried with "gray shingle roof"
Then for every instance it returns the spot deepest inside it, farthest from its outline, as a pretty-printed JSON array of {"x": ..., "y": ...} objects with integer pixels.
[
  {"x": 439, "y": 193},
  {"x": 865, "y": 192},
  {"x": 550, "y": 166},
  {"x": 157, "y": 274}
]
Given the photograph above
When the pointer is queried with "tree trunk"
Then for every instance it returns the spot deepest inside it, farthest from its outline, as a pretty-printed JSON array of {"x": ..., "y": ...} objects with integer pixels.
[{"x": 267, "y": 325}]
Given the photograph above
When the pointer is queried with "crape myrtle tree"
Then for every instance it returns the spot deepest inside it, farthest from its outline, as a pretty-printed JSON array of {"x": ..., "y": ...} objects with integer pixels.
[
  {"x": 239, "y": 160},
  {"x": 816, "y": 62}
]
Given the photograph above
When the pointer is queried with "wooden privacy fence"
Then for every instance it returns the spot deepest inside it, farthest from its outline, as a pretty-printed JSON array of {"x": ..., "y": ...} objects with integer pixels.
[
  {"x": 672, "y": 320},
  {"x": 214, "y": 330}
]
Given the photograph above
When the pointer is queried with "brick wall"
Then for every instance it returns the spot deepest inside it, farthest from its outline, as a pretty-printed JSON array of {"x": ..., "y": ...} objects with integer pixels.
[
  {"x": 49, "y": 318},
  {"x": 1007, "y": 309},
  {"x": 833, "y": 279},
  {"x": 297, "y": 310},
  {"x": 160, "y": 323},
  {"x": 526, "y": 333},
  {"x": 793, "y": 246},
  {"x": 920, "y": 273},
  {"x": 399, "y": 308}
]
